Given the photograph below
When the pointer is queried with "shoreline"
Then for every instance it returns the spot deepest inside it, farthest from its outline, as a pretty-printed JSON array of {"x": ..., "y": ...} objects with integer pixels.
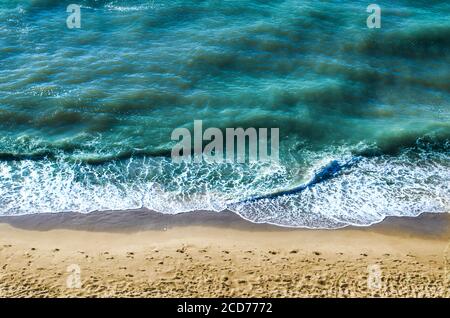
[
  {"x": 206, "y": 254},
  {"x": 135, "y": 220}
]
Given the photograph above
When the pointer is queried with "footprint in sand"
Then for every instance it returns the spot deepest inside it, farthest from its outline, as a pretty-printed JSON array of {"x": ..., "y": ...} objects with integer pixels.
[{"x": 180, "y": 250}]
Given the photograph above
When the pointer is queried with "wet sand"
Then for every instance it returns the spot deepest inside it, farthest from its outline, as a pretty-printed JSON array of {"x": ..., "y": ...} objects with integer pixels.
[{"x": 203, "y": 254}]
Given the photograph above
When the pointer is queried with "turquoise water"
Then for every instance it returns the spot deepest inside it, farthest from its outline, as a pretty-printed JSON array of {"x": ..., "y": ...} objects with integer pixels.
[{"x": 86, "y": 115}]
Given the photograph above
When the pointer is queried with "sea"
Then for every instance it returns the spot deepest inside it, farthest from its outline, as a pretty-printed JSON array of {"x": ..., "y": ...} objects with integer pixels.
[{"x": 363, "y": 112}]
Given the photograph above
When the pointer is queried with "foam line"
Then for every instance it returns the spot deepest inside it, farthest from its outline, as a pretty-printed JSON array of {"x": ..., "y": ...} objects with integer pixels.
[{"x": 329, "y": 171}]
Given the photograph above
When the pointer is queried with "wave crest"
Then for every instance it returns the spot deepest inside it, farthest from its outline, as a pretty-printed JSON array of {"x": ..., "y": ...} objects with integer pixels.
[{"x": 363, "y": 193}]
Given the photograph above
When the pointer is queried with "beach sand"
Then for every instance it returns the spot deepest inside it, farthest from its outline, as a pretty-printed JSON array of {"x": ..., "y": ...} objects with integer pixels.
[{"x": 203, "y": 254}]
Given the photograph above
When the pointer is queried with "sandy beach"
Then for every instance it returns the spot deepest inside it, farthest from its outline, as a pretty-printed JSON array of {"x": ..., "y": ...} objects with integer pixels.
[
  {"x": 219, "y": 255},
  {"x": 319, "y": 129}
]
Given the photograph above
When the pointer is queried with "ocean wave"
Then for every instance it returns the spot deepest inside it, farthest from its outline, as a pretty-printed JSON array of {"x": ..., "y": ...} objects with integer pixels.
[
  {"x": 421, "y": 42},
  {"x": 364, "y": 194},
  {"x": 86, "y": 115},
  {"x": 361, "y": 193}
]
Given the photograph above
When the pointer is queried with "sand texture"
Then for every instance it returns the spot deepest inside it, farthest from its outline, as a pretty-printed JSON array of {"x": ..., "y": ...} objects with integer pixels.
[{"x": 216, "y": 260}]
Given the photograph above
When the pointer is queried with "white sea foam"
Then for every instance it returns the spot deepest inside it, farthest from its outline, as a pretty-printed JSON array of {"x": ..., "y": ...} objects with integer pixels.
[{"x": 363, "y": 194}]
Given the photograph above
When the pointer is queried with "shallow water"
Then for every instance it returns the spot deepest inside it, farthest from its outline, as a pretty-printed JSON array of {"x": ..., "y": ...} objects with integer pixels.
[{"x": 86, "y": 114}]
